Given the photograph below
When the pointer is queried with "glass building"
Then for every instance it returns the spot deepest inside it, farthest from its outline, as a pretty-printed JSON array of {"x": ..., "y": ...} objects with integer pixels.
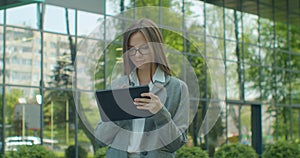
[{"x": 244, "y": 53}]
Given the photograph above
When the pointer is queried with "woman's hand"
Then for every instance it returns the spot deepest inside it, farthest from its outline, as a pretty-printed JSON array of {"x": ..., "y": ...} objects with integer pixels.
[
  {"x": 153, "y": 104},
  {"x": 120, "y": 86}
]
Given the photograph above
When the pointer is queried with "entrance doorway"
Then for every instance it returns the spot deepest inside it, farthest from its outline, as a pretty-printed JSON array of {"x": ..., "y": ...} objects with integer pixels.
[{"x": 244, "y": 124}]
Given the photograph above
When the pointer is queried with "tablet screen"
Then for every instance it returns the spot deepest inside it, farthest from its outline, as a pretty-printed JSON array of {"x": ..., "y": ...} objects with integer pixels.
[{"x": 117, "y": 104}]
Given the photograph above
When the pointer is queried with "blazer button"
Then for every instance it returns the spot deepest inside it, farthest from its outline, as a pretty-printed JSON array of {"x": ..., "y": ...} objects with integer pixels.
[{"x": 145, "y": 153}]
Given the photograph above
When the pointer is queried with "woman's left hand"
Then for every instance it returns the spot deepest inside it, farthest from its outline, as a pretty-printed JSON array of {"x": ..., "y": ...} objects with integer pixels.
[{"x": 153, "y": 104}]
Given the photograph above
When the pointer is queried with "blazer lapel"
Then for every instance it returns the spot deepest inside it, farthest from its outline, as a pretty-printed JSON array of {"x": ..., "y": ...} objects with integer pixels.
[
  {"x": 158, "y": 86},
  {"x": 157, "y": 89}
]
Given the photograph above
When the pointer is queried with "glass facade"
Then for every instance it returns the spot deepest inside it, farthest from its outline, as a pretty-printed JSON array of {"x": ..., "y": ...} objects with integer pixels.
[{"x": 256, "y": 42}]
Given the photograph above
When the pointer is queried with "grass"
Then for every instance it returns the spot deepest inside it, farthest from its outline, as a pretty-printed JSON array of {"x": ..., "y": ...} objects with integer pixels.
[{"x": 61, "y": 154}]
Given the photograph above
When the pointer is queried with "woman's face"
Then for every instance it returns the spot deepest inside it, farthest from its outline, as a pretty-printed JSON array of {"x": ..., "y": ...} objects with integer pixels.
[{"x": 139, "y": 51}]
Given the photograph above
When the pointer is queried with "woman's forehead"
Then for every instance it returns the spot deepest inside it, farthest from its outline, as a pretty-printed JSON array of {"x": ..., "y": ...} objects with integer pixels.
[{"x": 137, "y": 39}]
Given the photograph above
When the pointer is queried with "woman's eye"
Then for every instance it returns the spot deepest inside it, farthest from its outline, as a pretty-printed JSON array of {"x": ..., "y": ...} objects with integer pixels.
[
  {"x": 144, "y": 47},
  {"x": 131, "y": 49}
]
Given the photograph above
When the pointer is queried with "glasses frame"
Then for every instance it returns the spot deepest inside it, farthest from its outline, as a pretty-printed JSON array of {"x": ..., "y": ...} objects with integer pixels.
[{"x": 142, "y": 49}]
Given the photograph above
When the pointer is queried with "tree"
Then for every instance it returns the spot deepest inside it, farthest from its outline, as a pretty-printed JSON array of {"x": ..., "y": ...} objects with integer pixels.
[
  {"x": 11, "y": 101},
  {"x": 62, "y": 95},
  {"x": 277, "y": 77}
]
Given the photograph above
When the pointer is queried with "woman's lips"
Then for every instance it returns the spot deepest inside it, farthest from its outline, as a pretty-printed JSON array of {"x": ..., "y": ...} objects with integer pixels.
[{"x": 139, "y": 62}]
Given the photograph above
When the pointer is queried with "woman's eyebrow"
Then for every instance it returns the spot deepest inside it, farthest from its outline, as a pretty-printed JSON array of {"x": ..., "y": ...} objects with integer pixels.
[{"x": 130, "y": 46}]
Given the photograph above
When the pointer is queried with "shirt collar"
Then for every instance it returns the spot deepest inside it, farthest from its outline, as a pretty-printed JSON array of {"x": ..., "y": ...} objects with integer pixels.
[{"x": 159, "y": 76}]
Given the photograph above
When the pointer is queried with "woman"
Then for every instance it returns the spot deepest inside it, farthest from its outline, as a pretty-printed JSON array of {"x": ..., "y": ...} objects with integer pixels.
[{"x": 163, "y": 133}]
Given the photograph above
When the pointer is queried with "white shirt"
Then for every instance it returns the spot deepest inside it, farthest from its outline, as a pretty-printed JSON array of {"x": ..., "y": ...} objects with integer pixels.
[{"x": 139, "y": 124}]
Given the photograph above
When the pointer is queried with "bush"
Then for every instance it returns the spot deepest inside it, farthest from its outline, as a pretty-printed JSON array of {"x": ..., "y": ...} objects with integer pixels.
[
  {"x": 191, "y": 152},
  {"x": 33, "y": 151},
  {"x": 281, "y": 150},
  {"x": 235, "y": 150},
  {"x": 70, "y": 152},
  {"x": 101, "y": 152}
]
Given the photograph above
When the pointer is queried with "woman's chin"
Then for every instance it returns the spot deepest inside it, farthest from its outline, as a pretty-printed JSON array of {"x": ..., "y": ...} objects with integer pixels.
[{"x": 141, "y": 66}]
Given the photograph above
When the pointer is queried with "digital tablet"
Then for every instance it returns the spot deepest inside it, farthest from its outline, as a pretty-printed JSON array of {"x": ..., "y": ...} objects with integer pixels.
[{"x": 117, "y": 104}]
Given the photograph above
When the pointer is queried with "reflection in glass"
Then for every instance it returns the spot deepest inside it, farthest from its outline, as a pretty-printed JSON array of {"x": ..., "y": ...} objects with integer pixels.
[
  {"x": 22, "y": 52},
  {"x": 250, "y": 33},
  {"x": 233, "y": 123},
  {"x": 58, "y": 116},
  {"x": 239, "y": 124},
  {"x": 268, "y": 123},
  {"x": 232, "y": 81},
  {"x": 245, "y": 127},
  {"x": 22, "y": 112},
  {"x": 55, "y": 19},
  {"x": 230, "y": 51},
  {"x": 252, "y": 83},
  {"x": 214, "y": 20},
  {"x": 58, "y": 67},
  {"x": 269, "y": 69},
  {"x": 229, "y": 22},
  {"x": 1, "y": 16},
  {"x": 87, "y": 22},
  {"x": 24, "y": 16}
]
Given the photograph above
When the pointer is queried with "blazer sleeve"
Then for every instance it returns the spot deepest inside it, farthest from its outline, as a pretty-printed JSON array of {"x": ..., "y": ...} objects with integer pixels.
[
  {"x": 173, "y": 130},
  {"x": 105, "y": 133}
]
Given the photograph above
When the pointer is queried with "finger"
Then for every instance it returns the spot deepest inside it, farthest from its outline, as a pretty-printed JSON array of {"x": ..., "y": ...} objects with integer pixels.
[
  {"x": 140, "y": 104},
  {"x": 150, "y": 95},
  {"x": 145, "y": 100},
  {"x": 146, "y": 95}
]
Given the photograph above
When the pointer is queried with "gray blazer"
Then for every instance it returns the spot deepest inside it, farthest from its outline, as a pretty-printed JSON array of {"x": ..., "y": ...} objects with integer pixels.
[{"x": 164, "y": 132}]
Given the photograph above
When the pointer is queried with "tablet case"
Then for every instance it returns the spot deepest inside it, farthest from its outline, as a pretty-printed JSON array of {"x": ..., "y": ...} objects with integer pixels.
[{"x": 117, "y": 104}]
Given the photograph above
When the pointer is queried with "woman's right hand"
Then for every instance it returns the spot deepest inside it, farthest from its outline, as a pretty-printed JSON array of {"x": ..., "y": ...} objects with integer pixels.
[
  {"x": 123, "y": 86},
  {"x": 119, "y": 86}
]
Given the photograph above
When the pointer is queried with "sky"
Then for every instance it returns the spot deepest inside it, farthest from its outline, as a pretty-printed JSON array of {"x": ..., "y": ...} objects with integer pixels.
[{"x": 54, "y": 19}]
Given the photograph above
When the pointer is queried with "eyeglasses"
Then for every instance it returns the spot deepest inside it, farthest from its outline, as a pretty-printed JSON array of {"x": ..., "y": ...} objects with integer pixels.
[{"x": 143, "y": 50}]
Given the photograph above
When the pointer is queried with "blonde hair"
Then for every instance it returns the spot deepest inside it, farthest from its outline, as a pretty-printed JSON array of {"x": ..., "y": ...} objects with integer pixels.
[{"x": 154, "y": 39}]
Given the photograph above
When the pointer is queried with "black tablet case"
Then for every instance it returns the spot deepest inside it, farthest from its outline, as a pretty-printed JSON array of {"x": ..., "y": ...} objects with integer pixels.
[{"x": 117, "y": 104}]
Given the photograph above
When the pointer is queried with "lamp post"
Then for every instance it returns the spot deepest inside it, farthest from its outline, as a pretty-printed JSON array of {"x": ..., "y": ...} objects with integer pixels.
[
  {"x": 40, "y": 101},
  {"x": 67, "y": 121},
  {"x": 23, "y": 121},
  {"x": 23, "y": 102},
  {"x": 52, "y": 120}
]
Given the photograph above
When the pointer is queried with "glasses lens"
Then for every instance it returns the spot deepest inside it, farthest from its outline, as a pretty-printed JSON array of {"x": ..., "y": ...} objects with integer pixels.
[
  {"x": 144, "y": 49},
  {"x": 132, "y": 51}
]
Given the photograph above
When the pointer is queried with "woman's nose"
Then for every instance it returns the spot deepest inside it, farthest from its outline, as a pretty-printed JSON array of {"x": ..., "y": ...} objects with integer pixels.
[{"x": 138, "y": 53}]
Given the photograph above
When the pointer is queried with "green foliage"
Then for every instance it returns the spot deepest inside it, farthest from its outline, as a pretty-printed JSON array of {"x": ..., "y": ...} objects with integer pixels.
[
  {"x": 33, "y": 151},
  {"x": 12, "y": 97},
  {"x": 275, "y": 78},
  {"x": 101, "y": 152},
  {"x": 191, "y": 152},
  {"x": 235, "y": 150},
  {"x": 11, "y": 101},
  {"x": 142, "y": 3},
  {"x": 71, "y": 150},
  {"x": 281, "y": 149}
]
